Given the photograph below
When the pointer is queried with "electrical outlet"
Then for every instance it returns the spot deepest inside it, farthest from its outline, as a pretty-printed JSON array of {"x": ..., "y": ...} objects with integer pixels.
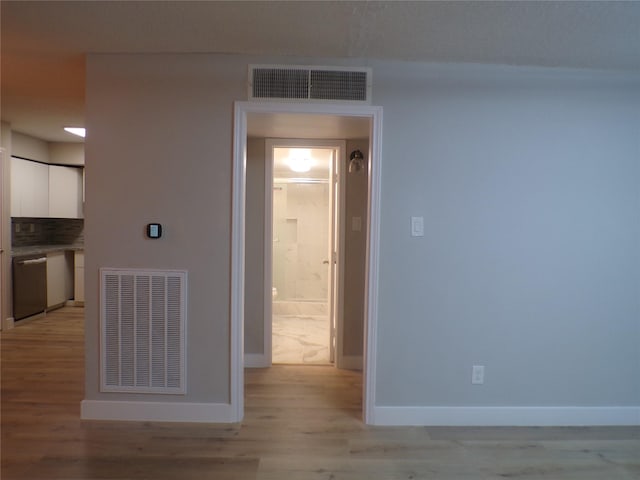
[{"x": 477, "y": 374}]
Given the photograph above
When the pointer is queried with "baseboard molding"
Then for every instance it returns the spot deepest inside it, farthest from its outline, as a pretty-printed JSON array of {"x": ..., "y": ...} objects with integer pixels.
[
  {"x": 506, "y": 416},
  {"x": 256, "y": 360},
  {"x": 156, "y": 411},
  {"x": 74, "y": 303},
  {"x": 8, "y": 323},
  {"x": 351, "y": 362}
]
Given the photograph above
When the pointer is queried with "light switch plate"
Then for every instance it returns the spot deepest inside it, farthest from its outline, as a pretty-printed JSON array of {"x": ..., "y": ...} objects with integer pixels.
[{"x": 417, "y": 226}]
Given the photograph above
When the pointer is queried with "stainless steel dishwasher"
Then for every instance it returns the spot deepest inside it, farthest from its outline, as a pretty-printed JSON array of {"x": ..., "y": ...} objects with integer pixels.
[{"x": 29, "y": 285}]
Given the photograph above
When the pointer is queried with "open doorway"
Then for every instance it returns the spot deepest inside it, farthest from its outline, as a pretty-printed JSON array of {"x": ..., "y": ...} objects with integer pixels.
[
  {"x": 302, "y": 249},
  {"x": 255, "y": 122}
]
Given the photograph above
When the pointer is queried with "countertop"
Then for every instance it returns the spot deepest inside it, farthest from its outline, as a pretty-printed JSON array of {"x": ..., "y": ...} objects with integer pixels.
[{"x": 43, "y": 249}]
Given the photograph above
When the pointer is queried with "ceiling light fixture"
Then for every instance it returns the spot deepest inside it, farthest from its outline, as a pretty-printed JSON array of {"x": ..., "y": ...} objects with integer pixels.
[
  {"x": 79, "y": 131},
  {"x": 300, "y": 159}
]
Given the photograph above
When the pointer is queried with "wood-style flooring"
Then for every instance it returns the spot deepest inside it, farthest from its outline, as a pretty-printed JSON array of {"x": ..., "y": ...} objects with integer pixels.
[{"x": 301, "y": 422}]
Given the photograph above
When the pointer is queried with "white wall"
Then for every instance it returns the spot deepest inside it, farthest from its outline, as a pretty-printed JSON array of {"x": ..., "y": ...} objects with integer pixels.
[
  {"x": 65, "y": 153},
  {"x": 254, "y": 248},
  {"x": 355, "y": 253},
  {"x": 528, "y": 183},
  {"x": 31, "y": 148},
  {"x": 160, "y": 151}
]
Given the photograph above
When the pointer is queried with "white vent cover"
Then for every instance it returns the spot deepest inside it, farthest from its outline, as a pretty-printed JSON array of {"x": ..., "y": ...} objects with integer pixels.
[
  {"x": 142, "y": 326},
  {"x": 310, "y": 83}
]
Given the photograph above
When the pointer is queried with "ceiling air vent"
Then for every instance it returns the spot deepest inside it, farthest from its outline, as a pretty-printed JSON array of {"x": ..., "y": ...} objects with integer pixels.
[{"x": 317, "y": 84}]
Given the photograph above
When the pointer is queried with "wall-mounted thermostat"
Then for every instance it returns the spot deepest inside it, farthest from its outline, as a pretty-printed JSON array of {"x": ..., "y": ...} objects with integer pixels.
[{"x": 154, "y": 230}]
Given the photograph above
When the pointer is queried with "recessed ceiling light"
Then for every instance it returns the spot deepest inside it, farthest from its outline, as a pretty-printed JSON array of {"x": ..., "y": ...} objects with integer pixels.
[{"x": 76, "y": 131}]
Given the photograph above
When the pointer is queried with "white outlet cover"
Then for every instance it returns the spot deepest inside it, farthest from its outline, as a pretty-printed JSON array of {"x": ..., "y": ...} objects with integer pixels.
[
  {"x": 477, "y": 375},
  {"x": 417, "y": 226}
]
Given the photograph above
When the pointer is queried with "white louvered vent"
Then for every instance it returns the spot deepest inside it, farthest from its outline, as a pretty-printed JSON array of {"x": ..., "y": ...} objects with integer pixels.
[
  {"x": 142, "y": 326},
  {"x": 310, "y": 83}
]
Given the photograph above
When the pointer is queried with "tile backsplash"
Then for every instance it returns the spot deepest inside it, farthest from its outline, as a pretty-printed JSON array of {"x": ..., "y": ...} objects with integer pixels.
[{"x": 26, "y": 231}]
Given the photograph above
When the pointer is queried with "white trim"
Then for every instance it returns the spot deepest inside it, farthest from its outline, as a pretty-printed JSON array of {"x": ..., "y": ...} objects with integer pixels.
[
  {"x": 8, "y": 323},
  {"x": 156, "y": 411},
  {"x": 371, "y": 276},
  {"x": 340, "y": 224},
  {"x": 236, "y": 370},
  {"x": 351, "y": 362},
  {"x": 267, "y": 245},
  {"x": 241, "y": 110},
  {"x": 507, "y": 416},
  {"x": 256, "y": 360}
]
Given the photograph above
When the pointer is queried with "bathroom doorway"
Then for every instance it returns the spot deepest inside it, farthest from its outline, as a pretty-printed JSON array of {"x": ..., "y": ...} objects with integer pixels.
[
  {"x": 302, "y": 249},
  {"x": 361, "y": 128}
]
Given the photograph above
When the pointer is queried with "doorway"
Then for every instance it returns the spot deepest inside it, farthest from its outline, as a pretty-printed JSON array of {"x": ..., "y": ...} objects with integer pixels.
[
  {"x": 323, "y": 121},
  {"x": 302, "y": 249}
]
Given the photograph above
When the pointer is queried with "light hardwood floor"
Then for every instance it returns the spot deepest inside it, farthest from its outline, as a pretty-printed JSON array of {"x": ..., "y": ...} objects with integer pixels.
[{"x": 301, "y": 422}]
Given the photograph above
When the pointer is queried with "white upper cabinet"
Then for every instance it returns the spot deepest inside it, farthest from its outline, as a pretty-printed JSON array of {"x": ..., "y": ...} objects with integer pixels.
[
  {"x": 65, "y": 192},
  {"x": 29, "y": 188},
  {"x": 41, "y": 190}
]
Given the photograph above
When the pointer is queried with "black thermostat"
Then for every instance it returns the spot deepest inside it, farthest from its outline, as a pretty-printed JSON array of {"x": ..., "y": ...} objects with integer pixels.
[{"x": 154, "y": 230}]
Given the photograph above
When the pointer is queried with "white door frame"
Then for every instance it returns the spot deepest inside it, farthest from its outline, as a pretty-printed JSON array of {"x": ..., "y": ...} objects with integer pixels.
[
  {"x": 334, "y": 303},
  {"x": 241, "y": 111}
]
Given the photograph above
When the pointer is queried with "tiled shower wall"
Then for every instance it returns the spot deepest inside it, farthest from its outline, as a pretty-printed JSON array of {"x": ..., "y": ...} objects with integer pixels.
[
  {"x": 301, "y": 241},
  {"x": 26, "y": 231}
]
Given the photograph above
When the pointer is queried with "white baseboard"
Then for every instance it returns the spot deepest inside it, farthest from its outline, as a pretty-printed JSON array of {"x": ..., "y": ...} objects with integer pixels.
[
  {"x": 351, "y": 362},
  {"x": 156, "y": 411},
  {"x": 8, "y": 323},
  {"x": 256, "y": 360},
  {"x": 506, "y": 416}
]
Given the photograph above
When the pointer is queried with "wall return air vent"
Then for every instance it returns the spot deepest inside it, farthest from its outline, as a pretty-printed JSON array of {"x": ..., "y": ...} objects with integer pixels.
[
  {"x": 310, "y": 83},
  {"x": 142, "y": 331}
]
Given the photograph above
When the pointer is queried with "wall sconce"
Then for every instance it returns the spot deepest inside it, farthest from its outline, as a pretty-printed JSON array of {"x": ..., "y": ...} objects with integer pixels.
[{"x": 356, "y": 161}]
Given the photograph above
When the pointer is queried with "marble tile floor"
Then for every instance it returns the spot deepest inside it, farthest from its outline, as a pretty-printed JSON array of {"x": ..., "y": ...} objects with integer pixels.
[{"x": 300, "y": 339}]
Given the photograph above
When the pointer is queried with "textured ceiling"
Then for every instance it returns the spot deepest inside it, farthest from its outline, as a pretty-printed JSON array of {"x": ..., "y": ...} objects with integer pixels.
[{"x": 43, "y": 43}]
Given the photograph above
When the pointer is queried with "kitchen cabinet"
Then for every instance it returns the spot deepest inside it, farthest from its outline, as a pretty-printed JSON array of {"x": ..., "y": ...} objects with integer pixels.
[
  {"x": 41, "y": 190},
  {"x": 59, "y": 278},
  {"x": 78, "y": 295},
  {"x": 29, "y": 188},
  {"x": 65, "y": 192}
]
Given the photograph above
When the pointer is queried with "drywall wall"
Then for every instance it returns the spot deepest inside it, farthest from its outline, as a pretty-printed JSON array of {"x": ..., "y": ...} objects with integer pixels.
[
  {"x": 254, "y": 248},
  {"x": 31, "y": 148},
  {"x": 528, "y": 184},
  {"x": 64, "y": 153},
  {"x": 169, "y": 162},
  {"x": 355, "y": 252},
  {"x": 527, "y": 180}
]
